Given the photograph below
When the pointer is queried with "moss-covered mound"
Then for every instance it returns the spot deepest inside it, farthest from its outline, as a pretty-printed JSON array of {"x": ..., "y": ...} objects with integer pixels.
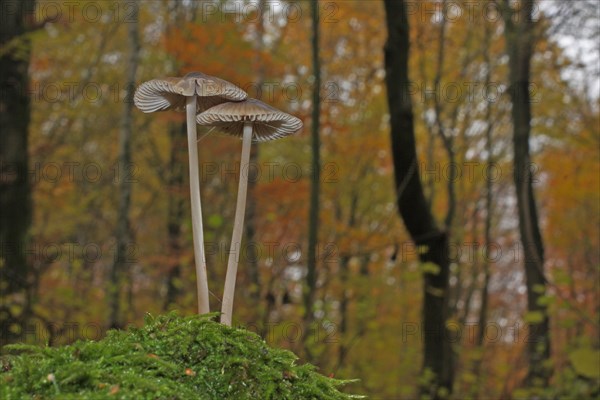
[{"x": 171, "y": 357}]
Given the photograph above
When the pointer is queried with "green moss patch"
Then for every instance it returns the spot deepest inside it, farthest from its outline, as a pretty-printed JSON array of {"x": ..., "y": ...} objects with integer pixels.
[{"x": 171, "y": 357}]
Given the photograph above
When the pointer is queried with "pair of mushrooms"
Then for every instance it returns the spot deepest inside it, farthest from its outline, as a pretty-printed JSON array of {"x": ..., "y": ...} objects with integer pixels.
[{"x": 214, "y": 102}]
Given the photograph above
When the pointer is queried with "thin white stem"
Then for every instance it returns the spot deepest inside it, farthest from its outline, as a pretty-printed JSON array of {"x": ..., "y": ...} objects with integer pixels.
[
  {"x": 197, "y": 230},
  {"x": 238, "y": 224}
]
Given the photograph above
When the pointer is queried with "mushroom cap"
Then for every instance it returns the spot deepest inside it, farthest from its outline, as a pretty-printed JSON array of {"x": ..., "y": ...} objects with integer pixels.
[
  {"x": 170, "y": 93},
  {"x": 269, "y": 123}
]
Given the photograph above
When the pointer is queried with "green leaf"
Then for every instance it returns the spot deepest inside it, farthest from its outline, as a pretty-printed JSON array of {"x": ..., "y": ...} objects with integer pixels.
[
  {"x": 534, "y": 317},
  {"x": 586, "y": 362},
  {"x": 545, "y": 301},
  {"x": 430, "y": 268}
]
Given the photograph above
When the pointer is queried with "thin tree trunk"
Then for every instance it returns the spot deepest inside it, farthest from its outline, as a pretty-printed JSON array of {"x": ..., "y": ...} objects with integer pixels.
[
  {"x": 489, "y": 186},
  {"x": 447, "y": 140},
  {"x": 178, "y": 159},
  {"x": 519, "y": 46},
  {"x": 344, "y": 279},
  {"x": 413, "y": 206},
  {"x": 251, "y": 253},
  {"x": 15, "y": 190},
  {"x": 313, "y": 218},
  {"x": 123, "y": 234},
  {"x": 429, "y": 185},
  {"x": 176, "y": 204},
  {"x": 250, "y": 228},
  {"x": 344, "y": 302}
]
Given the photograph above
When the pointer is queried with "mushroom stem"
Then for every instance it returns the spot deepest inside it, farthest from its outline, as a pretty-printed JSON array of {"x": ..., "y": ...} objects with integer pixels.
[
  {"x": 197, "y": 230},
  {"x": 238, "y": 224}
]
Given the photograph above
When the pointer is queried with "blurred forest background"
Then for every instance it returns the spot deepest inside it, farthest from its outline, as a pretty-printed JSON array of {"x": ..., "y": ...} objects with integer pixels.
[{"x": 95, "y": 194}]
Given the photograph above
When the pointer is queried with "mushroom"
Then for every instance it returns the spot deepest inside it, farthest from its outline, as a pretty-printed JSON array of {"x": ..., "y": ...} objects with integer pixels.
[
  {"x": 193, "y": 93},
  {"x": 253, "y": 121}
]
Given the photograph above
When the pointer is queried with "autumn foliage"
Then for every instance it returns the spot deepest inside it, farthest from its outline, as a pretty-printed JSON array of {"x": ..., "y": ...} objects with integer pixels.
[{"x": 369, "y": 288}]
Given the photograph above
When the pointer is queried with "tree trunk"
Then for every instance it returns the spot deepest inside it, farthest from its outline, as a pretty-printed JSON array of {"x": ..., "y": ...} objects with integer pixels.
[
  {"x": 313, "y": 218},
  {"x": 250, "y": 226},
  {"x": 482, "y": 317},
  {"x": 413, "y": 206},
  {"x": 489, "y": 185},
  {"x": 344, "y": 274},
  {"x": 178, "y": 14},
  {"x": 176, "y": 204},
  {"x": 344, "y": 303},
  {"x": 15, "y": 191},
  {"x": 519, "y": 46},
  {"x": 123, "y": 233},
  {"x": 446, "y": 137}
]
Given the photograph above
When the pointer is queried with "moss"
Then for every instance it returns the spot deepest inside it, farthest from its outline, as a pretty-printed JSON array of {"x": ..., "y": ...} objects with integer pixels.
[{"x": 171, "y": 357}]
